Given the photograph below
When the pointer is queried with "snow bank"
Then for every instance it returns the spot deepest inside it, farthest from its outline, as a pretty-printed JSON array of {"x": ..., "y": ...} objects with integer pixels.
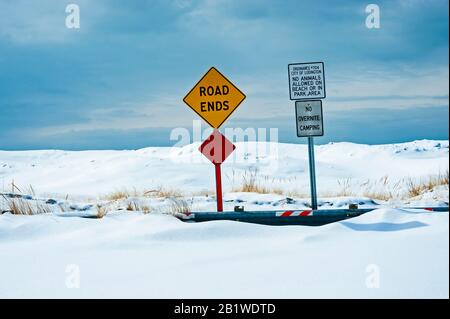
[
  {"x": 341, "y": 167},
  {"x": 387, "y": 253}
]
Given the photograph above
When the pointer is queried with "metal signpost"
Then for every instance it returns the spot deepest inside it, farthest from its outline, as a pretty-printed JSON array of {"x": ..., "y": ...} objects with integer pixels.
[
  {"x": 214, "y": 98},
  {"x": 217, "y": 148},
  {"x": 309, "y": 121},
  {"x": 307, "y": 83}
]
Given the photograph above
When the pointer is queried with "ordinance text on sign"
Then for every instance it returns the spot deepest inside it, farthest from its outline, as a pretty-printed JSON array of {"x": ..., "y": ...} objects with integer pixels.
[{"x": 306, "y": 81}]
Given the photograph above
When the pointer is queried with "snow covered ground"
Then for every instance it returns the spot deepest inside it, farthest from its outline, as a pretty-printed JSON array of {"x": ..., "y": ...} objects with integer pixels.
[
  {"x": 284, "y": 166},
  {"x": 389, "y": 252}
]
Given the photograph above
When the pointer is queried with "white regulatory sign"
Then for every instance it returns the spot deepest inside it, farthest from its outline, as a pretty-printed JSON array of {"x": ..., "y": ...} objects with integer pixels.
[
  {"x": 306, "y": 81},
  {"x": 309, "y": 118}
]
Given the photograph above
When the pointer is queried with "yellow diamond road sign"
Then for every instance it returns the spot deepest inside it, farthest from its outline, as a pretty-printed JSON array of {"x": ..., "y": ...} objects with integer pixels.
[{"x": 214, "y": 98}]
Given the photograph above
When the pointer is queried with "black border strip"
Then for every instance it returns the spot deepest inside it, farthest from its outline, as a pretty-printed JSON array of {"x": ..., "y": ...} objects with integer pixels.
[{"x": 284, "y": 308}]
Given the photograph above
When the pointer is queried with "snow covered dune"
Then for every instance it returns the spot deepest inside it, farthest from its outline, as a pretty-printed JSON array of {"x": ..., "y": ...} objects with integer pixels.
[
  {"x": 341, "y": 167},
  {"x": 135, "y": 251}
]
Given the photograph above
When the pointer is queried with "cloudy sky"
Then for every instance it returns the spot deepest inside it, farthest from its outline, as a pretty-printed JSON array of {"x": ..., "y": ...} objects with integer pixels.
[{"x": 118, "y": 81}]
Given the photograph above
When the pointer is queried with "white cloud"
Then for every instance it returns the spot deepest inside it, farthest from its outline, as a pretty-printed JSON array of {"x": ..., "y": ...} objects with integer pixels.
[
  {"x": 182, "y": 4},
  {"x": 222, "y": 19},
  {"x": 267, "y": 97},
  {"x": 351, "y": 87}
]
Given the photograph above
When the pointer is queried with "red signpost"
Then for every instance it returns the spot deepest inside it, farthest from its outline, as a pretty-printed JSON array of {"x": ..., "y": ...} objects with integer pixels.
[
  {"x": 217, "y": 148},
  {"x": 214, "y": 98}
]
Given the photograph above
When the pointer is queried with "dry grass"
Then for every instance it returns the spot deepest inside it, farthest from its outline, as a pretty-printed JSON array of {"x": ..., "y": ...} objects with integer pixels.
[
  {"x": 117, "y": 195},
  {"x": 101, "y": 211},
  {"x": 14, "y": 188},
  {"x": 63, "y": 207},
  {"x": 344, "y": 187},
  {"x": 278, "y": 191},
  {"x": 379, "y": 195},
  {"x": 253, "y": 182},
  {"x": 136, "y": 206},
  {"x": 416, "y": 188},
  {"x": 20, "y": 206},
  {"x": 120, "y": 194},
  {"x": 382, "y": 189},
  {"x": 162, "y": 192},
  {"x": 124, "y": 193},
  {"x": 132, "y": 205},
  {"x": 179, "y": 206}
]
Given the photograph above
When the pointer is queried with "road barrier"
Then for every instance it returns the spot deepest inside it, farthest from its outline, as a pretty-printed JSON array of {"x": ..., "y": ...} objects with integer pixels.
[{"x": 291, "y": 217}]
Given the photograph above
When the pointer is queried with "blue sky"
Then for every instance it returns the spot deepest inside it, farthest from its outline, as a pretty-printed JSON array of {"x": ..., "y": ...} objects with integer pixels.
[{"x": 118, "y": 81}]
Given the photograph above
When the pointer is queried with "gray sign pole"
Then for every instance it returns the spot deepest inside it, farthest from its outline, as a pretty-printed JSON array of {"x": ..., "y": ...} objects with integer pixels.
[
  {"x": 307, "y": 82},
  {"x": 309, "y": 124},
  {"x": 312, "y": 173}
]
